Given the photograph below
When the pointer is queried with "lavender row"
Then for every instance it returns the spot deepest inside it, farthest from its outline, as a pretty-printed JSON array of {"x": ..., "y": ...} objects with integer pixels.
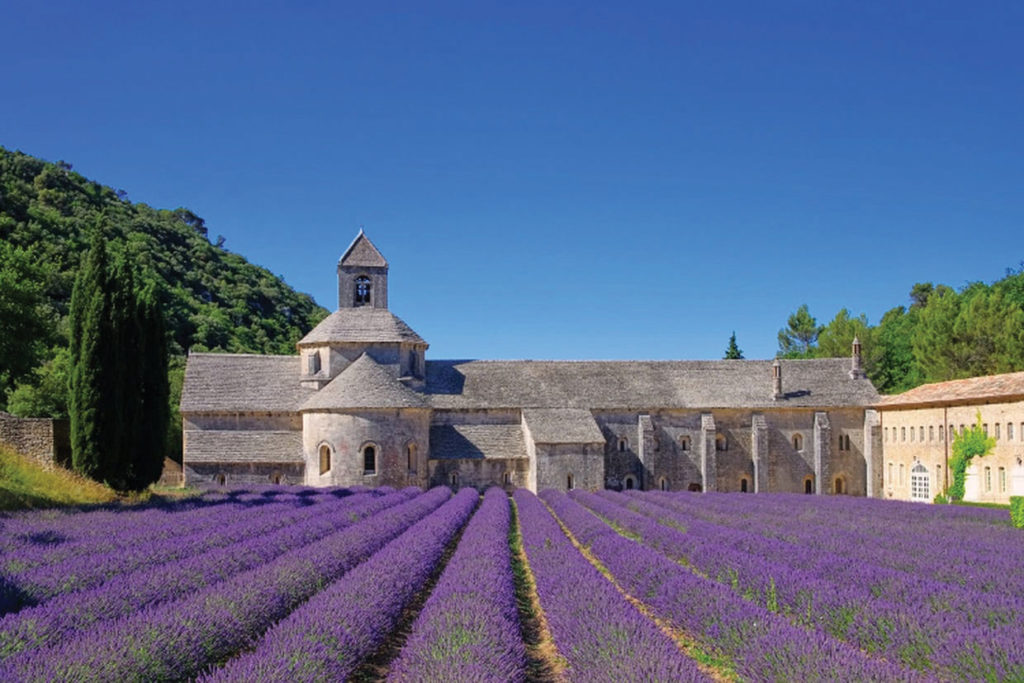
[
  {"x": 328, "y": 637},
  {"x": 850, "y": 531},
  {"x": 914, "y": 626},
  {"x": 176, "y": 640},
  {"x": 469, "y": 628},
  {"x": 134, "y": 528},
  {"x": 62, "y": 618},
  {"x": 600, "y": 634},
  {"x": 761, "y": 645},
  {"x": 87, "y": 571}
]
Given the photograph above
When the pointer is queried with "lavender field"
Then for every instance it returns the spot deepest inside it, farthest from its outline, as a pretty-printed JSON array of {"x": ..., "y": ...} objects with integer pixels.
[{"x": 298, "y": 584}]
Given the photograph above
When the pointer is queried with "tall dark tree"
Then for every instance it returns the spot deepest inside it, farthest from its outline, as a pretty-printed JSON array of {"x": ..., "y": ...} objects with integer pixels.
[
  {"x": 733, "y": 352},
  {"x": 119, "y": 391},
  {"x": 92, "y": 364}
]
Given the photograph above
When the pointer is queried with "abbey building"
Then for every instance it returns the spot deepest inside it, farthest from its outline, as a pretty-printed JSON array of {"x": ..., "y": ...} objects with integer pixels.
[{"x": 360, "y": 404}]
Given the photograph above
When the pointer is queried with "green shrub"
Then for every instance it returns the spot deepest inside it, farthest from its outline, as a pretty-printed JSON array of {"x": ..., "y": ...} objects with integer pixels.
[
  {"x": 941, "y": 499},
  {"x": 1017, "y": 511}
]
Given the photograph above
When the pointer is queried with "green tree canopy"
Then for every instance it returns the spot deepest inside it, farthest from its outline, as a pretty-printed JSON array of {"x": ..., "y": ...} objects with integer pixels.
[{"x": 797, "y": 339}]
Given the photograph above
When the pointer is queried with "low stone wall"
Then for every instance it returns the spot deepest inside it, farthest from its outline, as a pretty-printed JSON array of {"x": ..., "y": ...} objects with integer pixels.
[
  {"x": 243, "y": 474},
  {"x": 45, "y": 440}
]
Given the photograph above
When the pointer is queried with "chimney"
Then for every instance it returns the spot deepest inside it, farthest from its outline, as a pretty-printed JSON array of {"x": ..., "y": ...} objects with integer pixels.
[
  {"x": 855, "y": 370},
  {"x": 776, "y": 380}
]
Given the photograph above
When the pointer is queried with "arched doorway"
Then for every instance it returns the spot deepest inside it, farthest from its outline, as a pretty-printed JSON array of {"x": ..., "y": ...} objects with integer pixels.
[
  {"x": 839, "y": 486},
  {"x": 743, "y": 485},
  {"x": 694, "y": 487},
  {"x": 808, "y": 484},
  {"x": 629, "y": 482}
]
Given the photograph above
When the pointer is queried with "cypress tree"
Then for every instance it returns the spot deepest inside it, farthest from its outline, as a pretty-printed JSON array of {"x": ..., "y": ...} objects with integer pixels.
[
  {"x": 156, "y": 412},
  {"x": 91, "y": 362},
  {"x": 119, "y": 388}
]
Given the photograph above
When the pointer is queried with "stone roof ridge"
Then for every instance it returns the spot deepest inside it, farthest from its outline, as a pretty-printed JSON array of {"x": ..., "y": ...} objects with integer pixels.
[
  {"x": 225, "y": 354},
  {"x": 361, "y": 325},
  {"x": 364, "y": 384},
  {"x": 362, "y": 252}
]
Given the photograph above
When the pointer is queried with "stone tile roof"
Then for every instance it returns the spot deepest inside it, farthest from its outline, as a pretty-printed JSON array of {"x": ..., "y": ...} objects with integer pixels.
[
  {"x": 362, "y": 252},
  {"x": 562, "y": 425},
  {"x": 364, "y": 384},
  {"x": 643, "y": 384},
  {"x": 477, "y": 441},
  {"x": 1005, "y": 386},
  {"x": 241, "y": 446},
  {"x": 363, "y": 324},
  {"x": 230, "y": 382}
]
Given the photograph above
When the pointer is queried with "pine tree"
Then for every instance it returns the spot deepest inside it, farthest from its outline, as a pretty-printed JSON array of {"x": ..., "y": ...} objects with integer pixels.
[
  {"x": 797, "y": 339},
  {"x": 733, "y": 352}
]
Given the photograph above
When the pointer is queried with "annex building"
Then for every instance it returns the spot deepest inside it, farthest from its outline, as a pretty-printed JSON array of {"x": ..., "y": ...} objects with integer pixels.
[
  {"x": 360, "y": 404},
  {"x": 918, "y": 427}
]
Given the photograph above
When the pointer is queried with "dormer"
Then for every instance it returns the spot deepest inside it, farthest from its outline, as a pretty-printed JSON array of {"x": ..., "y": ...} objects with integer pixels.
[{"x": 362, "y": 276}]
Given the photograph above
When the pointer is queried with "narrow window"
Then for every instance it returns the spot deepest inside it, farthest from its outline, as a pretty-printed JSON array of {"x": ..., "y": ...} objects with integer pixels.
[
  {"x": 412, "y": 363},
  {"x": 221, "y": 479},
  {"x": 622, "y": 445},
  {"x": 931, "y": 432},
  {"x": 885, "y": 433},
  {"x": 952, "y": 432},
  {"x": 846, "y": 439},
  {"x": 903, "y": 433},
  {"x": 721, "y": 443},
  {"x": 798, "y": 442},
  {"x": 921, "y": 439},
  {"x": 453, "y": 480},
  {"x": 275, "y": 478},
  {"x": 961, "y": 429},
  {"x": 743, "y": 485},
  {"x": 988, "y": 478},
  {"x": 313, "y": 366},
  {"x": 369, "y": 460},
  {"x": 410, "y": 457},
  {"x": 663, "y": 484},
  {"x": 506, "y": 478},
  {"x": 325, "y": 459},
  {"x": 808, "y": 484},
  {"x": 942, "y": 433},
  {"x": 684, "y": 443},
  {"x": 891, "y": 482},
  {"x": 911, "y": 435},
  {"x": 1009, "y": 431},
  {"x": 997, "y": 431},
  {"x": 569, "y": 482},
  {"x": 362, "y": 291},
  {"x": 1002, "y": 480},
  {"x": 901, "y": 474},
  {"x": 984, "y": 428},
  {"x": 938, "y": 476}
]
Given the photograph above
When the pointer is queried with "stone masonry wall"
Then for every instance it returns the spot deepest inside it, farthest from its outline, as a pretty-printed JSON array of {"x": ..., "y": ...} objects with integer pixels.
[{"x": 44, "y": 440}]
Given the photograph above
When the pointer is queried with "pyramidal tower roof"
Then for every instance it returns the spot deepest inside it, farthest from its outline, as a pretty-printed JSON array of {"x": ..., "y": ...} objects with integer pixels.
[
  {"x": 364, "y": 384},
  {"x": 362, "y": 253}
]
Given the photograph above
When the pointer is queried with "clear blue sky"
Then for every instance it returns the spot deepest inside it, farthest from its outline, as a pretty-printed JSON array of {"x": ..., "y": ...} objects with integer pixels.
[{"x": 556, "y": 180}]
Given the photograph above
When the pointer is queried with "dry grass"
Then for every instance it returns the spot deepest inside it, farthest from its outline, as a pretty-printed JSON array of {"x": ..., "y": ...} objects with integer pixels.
[{"x": 24, "y": 484}]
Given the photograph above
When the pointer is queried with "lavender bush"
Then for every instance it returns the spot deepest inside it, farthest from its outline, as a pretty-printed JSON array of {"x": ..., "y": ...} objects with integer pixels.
[
  {"x": 469, "y": 628},
  {"x": 762, "y": 645},
  {"x": 176, "y": 640},
  {"x": 601, "y": 636},
  {"x": 64, "y": 617},
  {"x": 327, "y": 638}
]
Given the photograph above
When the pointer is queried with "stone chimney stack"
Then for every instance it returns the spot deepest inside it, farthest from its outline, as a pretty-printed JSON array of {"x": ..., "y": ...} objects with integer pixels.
[
  {"x": 855, "y": 369},
  {"x": 776, "y": 380}
]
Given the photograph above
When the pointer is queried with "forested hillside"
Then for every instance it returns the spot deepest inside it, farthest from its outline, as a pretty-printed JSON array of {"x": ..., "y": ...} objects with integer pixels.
[
  {"x": 943, "y": 334},
  {"x": 211, "y": 298}
]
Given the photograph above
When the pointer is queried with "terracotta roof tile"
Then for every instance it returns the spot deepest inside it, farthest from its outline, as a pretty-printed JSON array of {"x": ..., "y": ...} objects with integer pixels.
[{"x": 1007, "y": 385}]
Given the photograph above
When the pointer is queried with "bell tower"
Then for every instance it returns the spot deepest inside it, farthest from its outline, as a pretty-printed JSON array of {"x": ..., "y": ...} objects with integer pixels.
[{"x": 362, "y": 276}]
